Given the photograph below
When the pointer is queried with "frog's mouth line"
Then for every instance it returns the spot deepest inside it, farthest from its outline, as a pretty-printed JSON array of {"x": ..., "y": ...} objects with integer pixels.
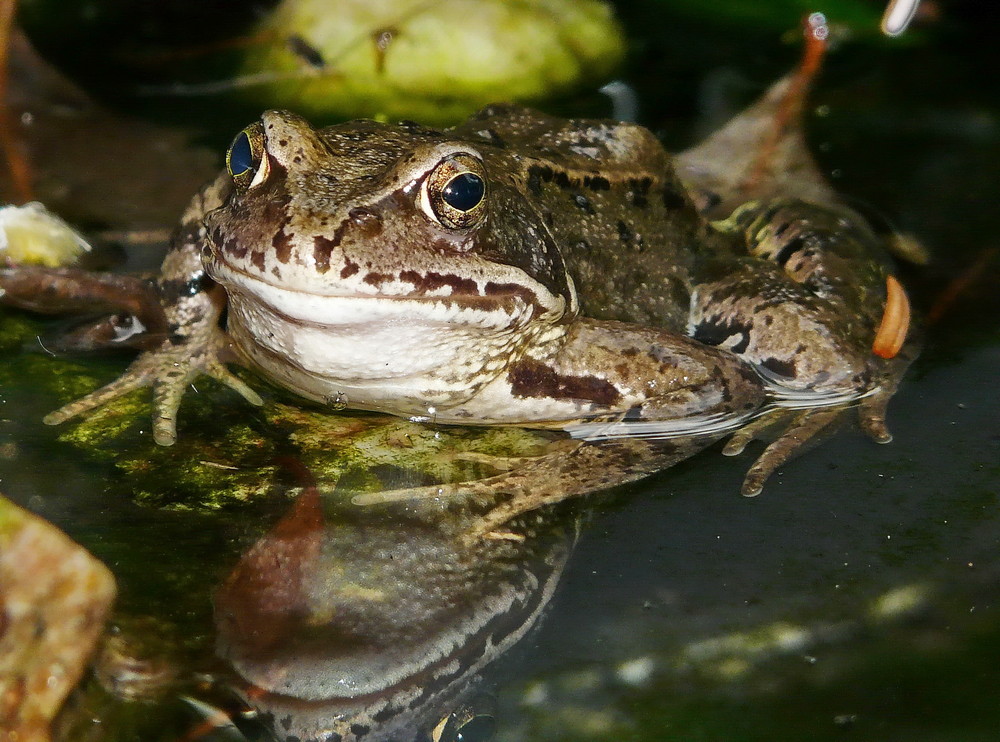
[
  {"x": 326, "y": 310},
  {"x": 512, "y": 299}
]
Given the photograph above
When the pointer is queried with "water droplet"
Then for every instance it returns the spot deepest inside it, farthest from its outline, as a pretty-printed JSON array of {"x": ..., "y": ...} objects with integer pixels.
[{"x": 338, "y": 401}]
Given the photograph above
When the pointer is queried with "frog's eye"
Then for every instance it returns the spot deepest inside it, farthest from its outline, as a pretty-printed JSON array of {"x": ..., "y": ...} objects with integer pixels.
[
  {"x": 247, "y": 159},
  {"x": 454, "y": 194},
  {"x": 473, "y": 723}
]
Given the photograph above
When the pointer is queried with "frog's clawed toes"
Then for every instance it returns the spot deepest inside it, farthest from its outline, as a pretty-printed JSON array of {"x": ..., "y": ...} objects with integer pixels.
[
  {"x": 117, "y": 388},
  {"x": 168, "y": 390},
  {"x": 169, "y": 371},
  {"x": 871, "y": 416},
  {"x": 804, "y": 427}
]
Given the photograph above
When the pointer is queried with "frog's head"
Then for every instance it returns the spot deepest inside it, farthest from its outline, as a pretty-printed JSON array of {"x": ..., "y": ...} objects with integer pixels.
[{"x": 411, "y": 233}]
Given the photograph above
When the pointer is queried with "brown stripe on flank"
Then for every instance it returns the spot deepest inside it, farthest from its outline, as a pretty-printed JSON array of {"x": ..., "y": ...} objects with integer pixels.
[{"x": 530, "y": 378}]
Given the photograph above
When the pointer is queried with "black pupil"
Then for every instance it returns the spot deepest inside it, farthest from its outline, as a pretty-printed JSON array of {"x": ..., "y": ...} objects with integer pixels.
[
  {"x": 464, "y": 192},
  {"x": 479, "y": 729},
  {"x": 241, "y": 155}
]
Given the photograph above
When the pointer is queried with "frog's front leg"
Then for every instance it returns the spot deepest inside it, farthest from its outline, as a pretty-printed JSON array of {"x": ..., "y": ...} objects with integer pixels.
[
  {"x": 195, "y": 345},
  {"x": 637, "y": 400}
]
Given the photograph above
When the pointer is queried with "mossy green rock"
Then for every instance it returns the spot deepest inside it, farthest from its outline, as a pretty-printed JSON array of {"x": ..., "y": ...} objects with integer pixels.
[
  {"x": 431, "y": 61},
  {"x": 229, "y": 453}
]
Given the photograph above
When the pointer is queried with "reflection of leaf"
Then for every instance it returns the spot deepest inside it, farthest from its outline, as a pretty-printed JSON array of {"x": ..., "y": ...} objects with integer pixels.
[{"x": 265, "y": 593}]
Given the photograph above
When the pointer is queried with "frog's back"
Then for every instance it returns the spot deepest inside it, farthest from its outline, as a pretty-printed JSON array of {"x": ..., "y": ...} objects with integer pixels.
[{"x": 627, "y": 229}]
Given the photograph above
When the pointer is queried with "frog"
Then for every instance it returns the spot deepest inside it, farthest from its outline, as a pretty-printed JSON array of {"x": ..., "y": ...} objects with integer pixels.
[{"x": 520, "y": 269}]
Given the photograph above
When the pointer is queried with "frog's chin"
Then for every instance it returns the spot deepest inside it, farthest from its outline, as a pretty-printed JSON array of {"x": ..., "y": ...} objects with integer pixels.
[{"x": 398, "y": 354}]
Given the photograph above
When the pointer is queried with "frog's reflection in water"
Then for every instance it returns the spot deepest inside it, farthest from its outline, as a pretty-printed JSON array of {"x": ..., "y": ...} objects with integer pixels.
[{"x": 347, "y": 623}]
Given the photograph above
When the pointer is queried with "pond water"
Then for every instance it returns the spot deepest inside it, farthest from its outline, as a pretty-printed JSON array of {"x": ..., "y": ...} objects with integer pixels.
[{"x": 858, "y": 595}]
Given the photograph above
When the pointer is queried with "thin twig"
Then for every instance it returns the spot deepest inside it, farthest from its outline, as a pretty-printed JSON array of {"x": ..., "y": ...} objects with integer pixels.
[{"x": 17, "y": 163}]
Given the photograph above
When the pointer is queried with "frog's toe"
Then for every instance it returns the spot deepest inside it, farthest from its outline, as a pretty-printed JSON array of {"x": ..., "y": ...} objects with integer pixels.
[
  {"x": 804, "y": 428},
  {"x": 871, "y": 416},
  {"x": 737, "y": 443},
  {"x": 753, "y": 430},
  {"x": 108, "y": 393},
  {"x": 220, "y": 373},
  {"x": 166, "y": 402}
]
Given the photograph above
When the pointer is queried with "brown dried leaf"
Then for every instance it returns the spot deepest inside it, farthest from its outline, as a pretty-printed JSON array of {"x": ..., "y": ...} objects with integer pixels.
[{"x": 759, "y": 155}]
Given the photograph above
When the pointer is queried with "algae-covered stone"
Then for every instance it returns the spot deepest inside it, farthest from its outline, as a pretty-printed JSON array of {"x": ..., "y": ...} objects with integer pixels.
[
  {"x": 432, "y": 61},
  {"x": 54, "y": 600}
]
